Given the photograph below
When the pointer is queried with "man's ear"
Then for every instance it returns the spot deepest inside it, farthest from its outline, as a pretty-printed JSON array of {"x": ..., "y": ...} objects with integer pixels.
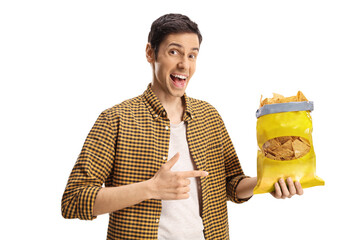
[{"x": 150, "y": 53}]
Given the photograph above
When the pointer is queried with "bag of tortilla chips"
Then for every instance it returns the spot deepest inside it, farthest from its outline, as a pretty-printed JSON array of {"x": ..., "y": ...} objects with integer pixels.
[{"x": 285, "y": 146}]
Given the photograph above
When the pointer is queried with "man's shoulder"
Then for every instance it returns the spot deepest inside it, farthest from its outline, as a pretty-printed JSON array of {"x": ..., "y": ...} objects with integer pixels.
[
  {"x": 202, "y": 107},
  {"x": 124, "y": 105}
]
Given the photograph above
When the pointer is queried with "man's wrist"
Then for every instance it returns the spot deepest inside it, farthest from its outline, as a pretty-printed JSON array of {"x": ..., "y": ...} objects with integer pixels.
[
  {"x": 245, "y": 188},
  {"x": 148, "y": 189}
]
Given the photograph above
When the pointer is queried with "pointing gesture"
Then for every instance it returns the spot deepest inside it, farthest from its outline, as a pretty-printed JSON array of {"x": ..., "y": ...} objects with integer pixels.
[{"x": 169, "y": 185}]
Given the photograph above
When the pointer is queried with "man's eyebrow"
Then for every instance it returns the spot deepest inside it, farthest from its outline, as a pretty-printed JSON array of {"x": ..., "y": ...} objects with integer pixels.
[{"x": 180, "y": 46}]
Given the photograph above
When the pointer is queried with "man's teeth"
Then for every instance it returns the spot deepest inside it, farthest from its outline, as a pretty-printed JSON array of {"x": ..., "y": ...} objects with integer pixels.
[{"x": 179, "y": 76}]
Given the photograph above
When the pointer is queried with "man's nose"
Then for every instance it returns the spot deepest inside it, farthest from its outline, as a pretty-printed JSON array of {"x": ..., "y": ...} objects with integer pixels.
[{"x": 184, "y": 63}]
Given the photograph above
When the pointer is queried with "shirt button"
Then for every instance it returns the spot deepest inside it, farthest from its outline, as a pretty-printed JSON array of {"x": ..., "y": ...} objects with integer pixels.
[
  {"x": 157, "y": 220},
  {"x": 166, "y": 127},
  {"x": 164, "y": 157},
  {"x": 156, "y": 115}
]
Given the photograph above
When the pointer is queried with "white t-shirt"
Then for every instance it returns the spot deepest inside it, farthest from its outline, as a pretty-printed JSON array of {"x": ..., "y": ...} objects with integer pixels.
[{"x": 180, "y": 219}]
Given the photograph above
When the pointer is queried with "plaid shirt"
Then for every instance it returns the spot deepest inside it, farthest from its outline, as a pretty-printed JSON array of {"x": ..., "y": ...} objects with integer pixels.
[{"x": 129, "y": 143}]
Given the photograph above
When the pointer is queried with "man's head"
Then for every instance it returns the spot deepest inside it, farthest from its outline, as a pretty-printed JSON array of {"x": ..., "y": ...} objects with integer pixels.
[
  {"x": 172, "y": 50},
  {"x": 168, "y": 24}
]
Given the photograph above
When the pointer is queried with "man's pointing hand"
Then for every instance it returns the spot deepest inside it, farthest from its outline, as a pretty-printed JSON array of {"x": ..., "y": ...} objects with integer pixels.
[{"x": 169, "y": 185}]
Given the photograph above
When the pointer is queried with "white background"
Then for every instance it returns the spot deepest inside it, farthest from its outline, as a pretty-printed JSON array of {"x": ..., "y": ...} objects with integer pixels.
[{"x": 63, "y": 62}]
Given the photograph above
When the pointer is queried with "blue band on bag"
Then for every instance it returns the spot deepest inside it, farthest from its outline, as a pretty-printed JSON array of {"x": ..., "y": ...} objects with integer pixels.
[{"x": 285, "y": 107}]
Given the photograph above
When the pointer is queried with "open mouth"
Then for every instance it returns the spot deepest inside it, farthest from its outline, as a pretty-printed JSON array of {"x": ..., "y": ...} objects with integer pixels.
[{"x": 178, "y": 80}]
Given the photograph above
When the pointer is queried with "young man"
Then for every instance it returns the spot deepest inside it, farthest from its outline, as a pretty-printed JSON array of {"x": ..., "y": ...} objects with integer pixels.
[{"x": 166, "y": 159}]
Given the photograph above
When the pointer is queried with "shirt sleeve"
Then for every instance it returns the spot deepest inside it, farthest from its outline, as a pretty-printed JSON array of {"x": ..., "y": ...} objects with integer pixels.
[
  {"x": 233, "y": 170},
  {"x": 93, "y": 166}
]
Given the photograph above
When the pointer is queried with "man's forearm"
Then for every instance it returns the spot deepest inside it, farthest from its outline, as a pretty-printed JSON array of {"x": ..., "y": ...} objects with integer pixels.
[
  {"x": 110, "y": 199},
  {"x": 245, "y": 188}
]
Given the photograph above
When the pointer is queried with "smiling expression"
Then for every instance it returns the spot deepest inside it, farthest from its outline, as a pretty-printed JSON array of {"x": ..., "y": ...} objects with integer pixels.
[{"x": 175, "y": 63}]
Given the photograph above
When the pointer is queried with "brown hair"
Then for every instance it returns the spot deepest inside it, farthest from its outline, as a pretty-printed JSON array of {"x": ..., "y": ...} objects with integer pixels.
[{"x": 170, "y": 23}]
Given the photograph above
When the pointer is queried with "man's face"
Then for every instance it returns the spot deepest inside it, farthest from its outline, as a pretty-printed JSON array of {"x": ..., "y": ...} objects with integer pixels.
[{"x": 175, "y": 63}]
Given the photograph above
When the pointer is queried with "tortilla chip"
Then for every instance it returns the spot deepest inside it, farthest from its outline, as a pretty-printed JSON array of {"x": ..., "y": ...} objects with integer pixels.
[
  {"x": 284, "y": 139},
  {"x": 289, "y": 99},
  {"x": 301, "y": 97},
  {"x": 272, "y": 144},
  {"x": 284, "y": 153},
  {"x": 300, "y": 148},
  {"x": 288, "y": 145},
  {"x": 286, "y": 148},
  {"x": 305, "y": 141},
  {"x": 278, "y": 98}
]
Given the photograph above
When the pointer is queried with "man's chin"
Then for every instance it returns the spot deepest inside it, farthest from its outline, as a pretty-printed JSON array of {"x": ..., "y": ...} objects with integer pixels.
[{"x": 178, "y": 94}]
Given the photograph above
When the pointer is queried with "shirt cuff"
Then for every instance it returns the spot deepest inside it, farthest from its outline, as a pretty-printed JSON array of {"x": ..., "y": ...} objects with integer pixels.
[
  {"x": 232, "y": 185},
  {"x": 86, "y": 203}
]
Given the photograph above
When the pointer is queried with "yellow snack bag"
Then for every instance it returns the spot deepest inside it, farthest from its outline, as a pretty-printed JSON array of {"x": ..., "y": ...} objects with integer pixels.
[{"x": 285, "y": 146}]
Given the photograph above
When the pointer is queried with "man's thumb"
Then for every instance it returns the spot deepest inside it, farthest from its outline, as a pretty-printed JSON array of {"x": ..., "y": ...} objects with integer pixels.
[{"x": 169, "y": 164}]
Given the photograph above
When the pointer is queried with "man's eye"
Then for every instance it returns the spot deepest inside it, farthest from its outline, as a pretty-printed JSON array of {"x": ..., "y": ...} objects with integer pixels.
[
  {"x": 173, "y": 52},
  {"x": 192, "y": 56}
]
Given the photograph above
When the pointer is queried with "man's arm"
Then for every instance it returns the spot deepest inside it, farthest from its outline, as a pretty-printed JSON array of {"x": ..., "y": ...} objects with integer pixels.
[
  {"x": 110, "y": 199},
  {"x": 91, "y": 169},
  {"x": 233, "y": 171},
  {"x": 245, "y": 188},
  {"x": 165, "y": 185}
]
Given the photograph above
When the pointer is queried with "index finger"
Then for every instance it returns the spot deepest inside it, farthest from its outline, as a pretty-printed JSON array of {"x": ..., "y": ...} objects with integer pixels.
[{"x": 195, "y": 173}]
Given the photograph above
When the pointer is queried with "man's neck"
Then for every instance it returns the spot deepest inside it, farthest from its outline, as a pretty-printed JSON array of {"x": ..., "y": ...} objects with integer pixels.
[{"x": 174, "y": 106}]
